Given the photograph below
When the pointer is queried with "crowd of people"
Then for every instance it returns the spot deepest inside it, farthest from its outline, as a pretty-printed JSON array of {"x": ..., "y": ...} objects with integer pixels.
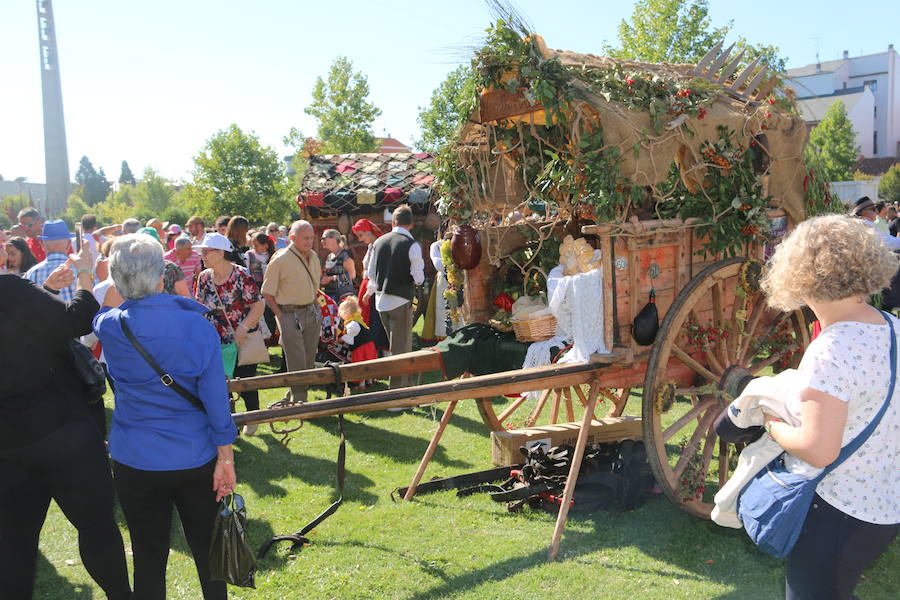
[{"x": 133, "y": 293}]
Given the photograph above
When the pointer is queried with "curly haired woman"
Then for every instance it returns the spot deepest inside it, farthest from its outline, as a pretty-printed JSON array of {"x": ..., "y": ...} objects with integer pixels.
[{"x": 832, "y": 264}]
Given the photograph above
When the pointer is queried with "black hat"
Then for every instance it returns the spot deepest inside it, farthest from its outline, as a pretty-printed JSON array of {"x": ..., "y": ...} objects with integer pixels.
[{"x": 862, "y": 204}]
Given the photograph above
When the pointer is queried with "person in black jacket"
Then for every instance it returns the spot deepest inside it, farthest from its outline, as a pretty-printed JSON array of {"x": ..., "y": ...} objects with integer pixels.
[{"x": 49, "y": 446}]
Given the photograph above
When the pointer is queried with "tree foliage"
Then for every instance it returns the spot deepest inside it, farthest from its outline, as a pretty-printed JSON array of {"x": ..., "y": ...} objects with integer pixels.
[
  {"x": 126, "y": 177},
  {"x": 342, "y": 110},
  {"x": 11, "y": 205},
  {"x": 235, "y": 174},
  {"x": 93, "y": 183},
  {"x": 835, "y": 142},
  {"x": 451, "y": 104},
  {"x": 153, "y": 196},
  {"x": 679, "y": 31},
  {"x": 889, "y": 187}
]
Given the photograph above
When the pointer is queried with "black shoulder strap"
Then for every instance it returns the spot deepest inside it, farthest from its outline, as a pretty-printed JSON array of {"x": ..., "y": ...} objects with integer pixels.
[
  {"x": 164, "y": 377},
  {"x": 302, "y": 262}
]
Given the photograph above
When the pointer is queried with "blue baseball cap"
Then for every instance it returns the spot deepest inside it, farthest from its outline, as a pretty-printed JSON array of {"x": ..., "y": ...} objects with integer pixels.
[{"x": 55, "y": 229}]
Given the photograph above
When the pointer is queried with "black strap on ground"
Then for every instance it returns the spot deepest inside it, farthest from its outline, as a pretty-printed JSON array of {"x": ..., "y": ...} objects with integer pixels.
[
  {"x": 298, "y": 539},
  {"x": 457, "y": 481}
]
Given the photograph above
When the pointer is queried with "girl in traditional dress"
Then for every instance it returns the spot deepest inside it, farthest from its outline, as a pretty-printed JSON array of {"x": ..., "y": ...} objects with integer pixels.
[{"x": 355, "y": 333}]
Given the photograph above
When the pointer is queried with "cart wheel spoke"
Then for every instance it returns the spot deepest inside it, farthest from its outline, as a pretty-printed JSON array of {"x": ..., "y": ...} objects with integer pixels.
[
  {"x": 584, "y": 400},
  {"x": 723, "y": 463},
  {"x": 758, "y": 366},
  {"x": 513, "y": 407},
  {"x": 719, "y": 321},
  {"x": 692, "y": 446},
  {"x": 533, "y": 418},
  {"x": 686, "y": 418},
  {"x": 693, "y": 364},
  {"x": 752, "y": 324}
]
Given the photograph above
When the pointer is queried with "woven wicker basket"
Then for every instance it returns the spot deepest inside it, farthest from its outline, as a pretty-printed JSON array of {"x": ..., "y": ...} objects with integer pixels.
[{"x": 535, "y": 329}]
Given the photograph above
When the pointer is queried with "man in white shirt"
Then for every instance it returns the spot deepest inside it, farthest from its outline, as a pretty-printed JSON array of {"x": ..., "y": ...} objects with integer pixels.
[{"x": 395, "y": 269}]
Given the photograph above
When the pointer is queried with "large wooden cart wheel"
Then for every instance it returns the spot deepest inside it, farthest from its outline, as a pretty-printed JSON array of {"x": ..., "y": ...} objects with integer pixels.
[
  {"x": 549, "y": 407},
  {"x": 718, "y": 334}
]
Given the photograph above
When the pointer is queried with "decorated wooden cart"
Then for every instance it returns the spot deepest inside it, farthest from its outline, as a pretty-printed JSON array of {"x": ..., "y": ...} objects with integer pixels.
[{"x": 680, "y": 178}]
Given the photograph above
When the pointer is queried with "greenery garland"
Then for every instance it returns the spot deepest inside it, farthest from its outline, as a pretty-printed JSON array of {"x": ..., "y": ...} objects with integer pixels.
[{"x": 585, "y": 174}]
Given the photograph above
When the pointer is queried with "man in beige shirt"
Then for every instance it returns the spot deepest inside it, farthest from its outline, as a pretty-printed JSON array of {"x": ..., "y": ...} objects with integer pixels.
[{"x": 289, "y": 287}]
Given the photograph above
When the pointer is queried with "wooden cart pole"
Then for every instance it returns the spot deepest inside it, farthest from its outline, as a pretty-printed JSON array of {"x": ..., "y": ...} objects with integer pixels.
[
  {"x": 574, "y": 469},
  {"x": 432, "y": 446}
]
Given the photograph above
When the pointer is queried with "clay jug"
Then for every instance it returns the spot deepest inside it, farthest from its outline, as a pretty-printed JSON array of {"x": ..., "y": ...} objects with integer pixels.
[{"x": 466, "y": 247}]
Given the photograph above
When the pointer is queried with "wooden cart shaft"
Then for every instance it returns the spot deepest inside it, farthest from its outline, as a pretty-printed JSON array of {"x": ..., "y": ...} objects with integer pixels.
[{"x": 495, "y": 384}]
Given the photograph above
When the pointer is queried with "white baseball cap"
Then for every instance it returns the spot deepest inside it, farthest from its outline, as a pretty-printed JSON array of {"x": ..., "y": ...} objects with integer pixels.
[{"x": 216, "y": 241}]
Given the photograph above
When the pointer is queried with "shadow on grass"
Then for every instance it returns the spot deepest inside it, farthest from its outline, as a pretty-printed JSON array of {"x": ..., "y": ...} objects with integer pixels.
[
  {"x": 51, "y": 585},
  {"x": 458, "y": 421},
  {"x": 276, "y": 462},
  {"x": 396, "y": 446},
  {"x": 677, "y": 543},
  {"x": 427, "y": 566}
]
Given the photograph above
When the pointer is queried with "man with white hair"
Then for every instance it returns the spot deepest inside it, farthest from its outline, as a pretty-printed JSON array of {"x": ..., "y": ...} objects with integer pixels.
[
  {"x": 55, "y": 238},
  {"x": 289, "y": 287},
  {"x": 184, "y": 255},
  {"x": 131, "y": 225}
]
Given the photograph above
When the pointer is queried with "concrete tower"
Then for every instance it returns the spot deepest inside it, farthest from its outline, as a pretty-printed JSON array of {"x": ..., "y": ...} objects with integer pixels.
[{"x": 56, "y": 159}]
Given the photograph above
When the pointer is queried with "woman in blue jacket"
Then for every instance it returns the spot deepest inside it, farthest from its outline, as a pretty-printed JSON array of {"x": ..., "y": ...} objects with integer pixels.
[{"x": 166, "y": 451}]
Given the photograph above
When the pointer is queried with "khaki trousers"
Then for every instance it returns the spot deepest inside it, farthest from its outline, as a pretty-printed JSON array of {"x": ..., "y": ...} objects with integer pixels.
[
  {"x": 398, "y": 325},
  {"x": 300, "y": 331}
]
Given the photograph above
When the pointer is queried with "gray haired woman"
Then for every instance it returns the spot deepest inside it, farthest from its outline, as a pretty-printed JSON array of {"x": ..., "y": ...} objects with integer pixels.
[{"x": 166, "y": 451}]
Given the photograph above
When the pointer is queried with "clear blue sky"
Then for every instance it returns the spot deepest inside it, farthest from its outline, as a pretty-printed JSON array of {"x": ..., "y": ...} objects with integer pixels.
[{"x": 150, "y": 81}]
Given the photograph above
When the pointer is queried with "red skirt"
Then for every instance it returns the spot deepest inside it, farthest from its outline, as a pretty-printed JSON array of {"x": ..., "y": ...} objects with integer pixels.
[
  {"x": 365, "y": 352},
  {"x": 364, "y": 309}
]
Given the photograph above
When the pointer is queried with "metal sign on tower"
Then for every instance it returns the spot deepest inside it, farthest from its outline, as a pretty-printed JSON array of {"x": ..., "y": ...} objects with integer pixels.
[{"x": 56, "y": 158}]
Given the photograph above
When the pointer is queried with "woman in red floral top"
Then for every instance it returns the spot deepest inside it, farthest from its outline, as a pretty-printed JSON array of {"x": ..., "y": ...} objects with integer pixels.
[{"x": 234, "y": 300}]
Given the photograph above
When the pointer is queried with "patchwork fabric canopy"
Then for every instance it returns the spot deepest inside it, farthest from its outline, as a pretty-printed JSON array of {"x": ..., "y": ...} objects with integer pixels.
[{"x": 342, "y": 183}]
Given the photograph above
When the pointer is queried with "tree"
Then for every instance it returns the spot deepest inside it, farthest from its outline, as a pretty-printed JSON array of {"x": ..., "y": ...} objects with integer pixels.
[
  {"x": 835, "y": 141},
  {"x": 236, "y": 175},
  {"x": 680, "y": 31},
  {"x": 12, "y": 204},
  {"x": 889, "y": 187},
  {"x": 667, "y": 30},
  {"x": 152, "y": 196},
  {"x": 126, "y": 177},
  {"x": 93, "y": 183},
  {"x": 342, "y": 110},
  {"x": 451, "y": 104}
]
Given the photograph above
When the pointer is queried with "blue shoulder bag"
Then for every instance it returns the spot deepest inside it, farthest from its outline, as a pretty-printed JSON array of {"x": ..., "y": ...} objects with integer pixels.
[{"x": 774, "y": 504}]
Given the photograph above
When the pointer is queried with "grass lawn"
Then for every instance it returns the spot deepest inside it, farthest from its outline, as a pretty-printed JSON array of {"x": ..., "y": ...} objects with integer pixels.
[{"x": 439, "y": 546}]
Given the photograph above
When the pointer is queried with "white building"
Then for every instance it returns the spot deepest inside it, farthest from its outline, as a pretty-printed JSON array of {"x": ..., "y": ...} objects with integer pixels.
[{"x": 869, "y": 87}]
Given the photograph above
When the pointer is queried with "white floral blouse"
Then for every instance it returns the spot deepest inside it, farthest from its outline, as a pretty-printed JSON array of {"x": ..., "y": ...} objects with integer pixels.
[{"x": 850, "y": 361}]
